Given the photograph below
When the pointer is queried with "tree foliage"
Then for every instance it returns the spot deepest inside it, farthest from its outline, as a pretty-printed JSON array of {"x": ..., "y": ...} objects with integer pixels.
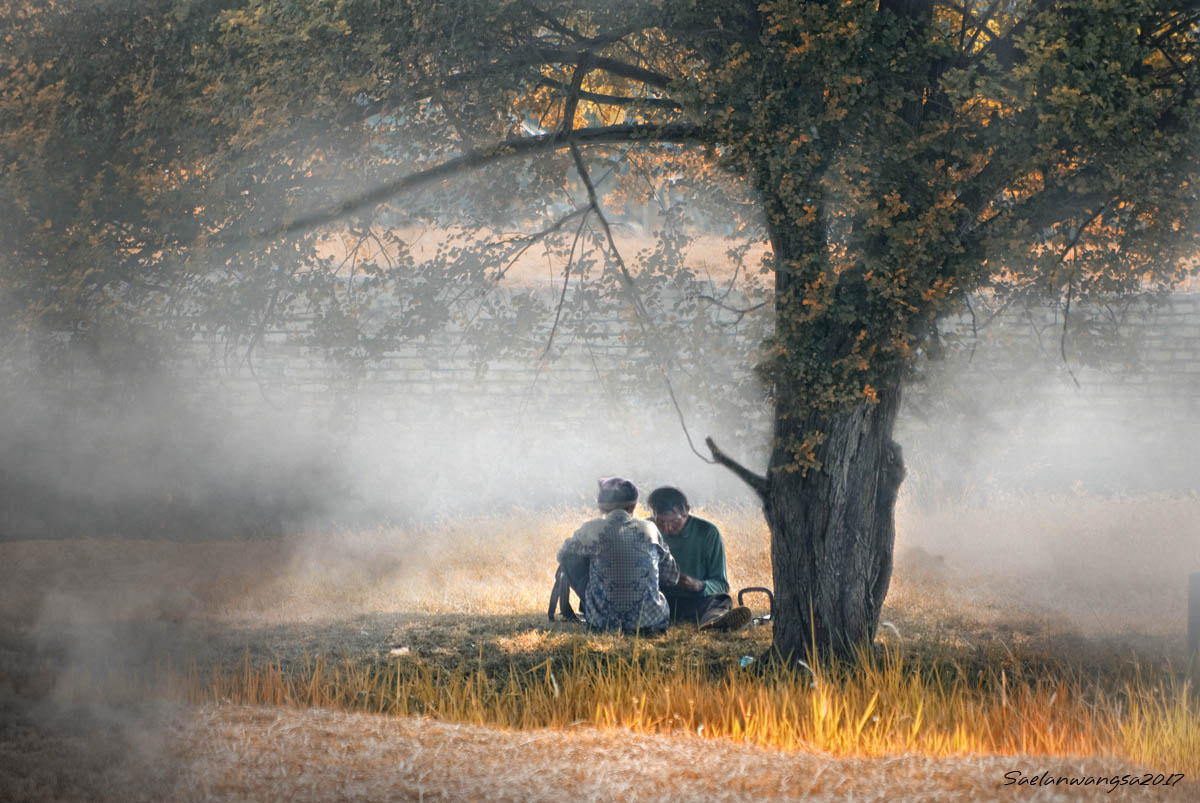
[{"x": 186, "y": 164}]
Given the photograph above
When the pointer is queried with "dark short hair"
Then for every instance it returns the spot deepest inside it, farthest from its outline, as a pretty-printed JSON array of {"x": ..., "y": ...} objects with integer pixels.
[{"x": 666, "y": 499}]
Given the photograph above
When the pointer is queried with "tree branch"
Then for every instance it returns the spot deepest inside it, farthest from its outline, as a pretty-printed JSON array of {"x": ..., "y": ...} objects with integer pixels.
[
  {"x": 535, "y": 56},
  {"x": 1041, "y": 210},
  {"x": 756, "y": 481},
  {"x": 729, "y": 307},
  {"x": 614, "y": 100},
  {"x": 640, "y": 312},
  {"x": 571, "y": 103},
  {"x": 557, "y": 26},
  {"x": 533, "y": 239},
  {"x": 630, "y": 71},
  {"x": 600, "y": 40},
  {"x": 1062, "y": 344},
  {"x": 981, "y": 27},
  {"x": 741, "y": 312},
  {"x": 670, "y": 132},
  {"x": 562, "y": 299}
]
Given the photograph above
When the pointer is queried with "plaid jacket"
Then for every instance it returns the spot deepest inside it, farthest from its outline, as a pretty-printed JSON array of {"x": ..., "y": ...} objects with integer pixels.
[{"x": 626, "y": 560}]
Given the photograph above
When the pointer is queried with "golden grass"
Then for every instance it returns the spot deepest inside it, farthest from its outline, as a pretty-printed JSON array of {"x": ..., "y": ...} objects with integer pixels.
[
  {"x": 883, "y": 705},
  {"x": 1049, "y": 630}
]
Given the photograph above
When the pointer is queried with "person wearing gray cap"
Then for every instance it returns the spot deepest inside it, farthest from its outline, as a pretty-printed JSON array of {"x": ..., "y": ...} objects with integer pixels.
[{"x": 616, "y": 564}]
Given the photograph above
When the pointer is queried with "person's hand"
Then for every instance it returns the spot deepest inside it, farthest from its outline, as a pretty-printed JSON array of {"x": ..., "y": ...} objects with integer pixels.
[{"x": 687, "y": 583}]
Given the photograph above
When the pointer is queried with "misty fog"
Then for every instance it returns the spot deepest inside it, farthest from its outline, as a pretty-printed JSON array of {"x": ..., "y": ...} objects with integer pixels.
[
  {"x": 202, "y": 455},
  {"x": 320, "y": 323}
]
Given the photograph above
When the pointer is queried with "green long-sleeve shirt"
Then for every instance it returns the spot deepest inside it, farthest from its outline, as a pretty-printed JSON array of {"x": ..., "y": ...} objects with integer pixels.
[{"x": 699, "y": 552}]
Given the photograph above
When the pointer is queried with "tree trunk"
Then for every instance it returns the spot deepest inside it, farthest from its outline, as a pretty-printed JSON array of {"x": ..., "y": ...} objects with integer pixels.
[
  {"x": 833, "y": 523},
  {"x": 833, "y": 526},
  {"x": 833, "y": 529}
]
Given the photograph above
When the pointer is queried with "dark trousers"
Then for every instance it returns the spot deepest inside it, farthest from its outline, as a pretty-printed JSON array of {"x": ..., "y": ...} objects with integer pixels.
[
  {"x": 576, "y": 569},
  {"x": 689, "y": 606}
]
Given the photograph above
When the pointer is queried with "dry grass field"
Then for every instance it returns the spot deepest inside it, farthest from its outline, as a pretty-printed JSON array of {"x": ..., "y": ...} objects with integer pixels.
[{"x": 1036, "y": 635}]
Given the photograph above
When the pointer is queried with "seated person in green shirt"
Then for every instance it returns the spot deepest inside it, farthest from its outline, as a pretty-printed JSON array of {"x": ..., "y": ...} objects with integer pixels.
[{"x": 702, "y": 593}]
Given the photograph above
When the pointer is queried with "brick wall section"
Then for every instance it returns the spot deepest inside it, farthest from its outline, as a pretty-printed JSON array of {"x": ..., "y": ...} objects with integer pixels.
[
  {"x": 1122, "y": 414},
  {"x": 1144, "y": 351},
  {"x": 1006, "y": 413},
  {"x": 454, "y": 435},
  {"x": 1153, "y": 357}
]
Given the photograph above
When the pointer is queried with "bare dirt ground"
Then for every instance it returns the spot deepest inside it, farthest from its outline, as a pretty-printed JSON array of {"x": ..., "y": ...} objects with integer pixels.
[{"x": 1098, "y": 583}]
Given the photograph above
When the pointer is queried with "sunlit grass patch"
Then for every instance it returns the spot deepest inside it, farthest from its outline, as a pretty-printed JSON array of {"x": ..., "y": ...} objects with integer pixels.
[
  {"x": 533, "y": 642},
  {"x": 885, "y": 704},
  {"x": 1010, "y": 647}
]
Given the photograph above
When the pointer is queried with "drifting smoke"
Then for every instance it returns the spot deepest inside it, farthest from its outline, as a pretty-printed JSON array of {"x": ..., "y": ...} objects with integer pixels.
[
  {"x": 1039, "y": 496},
  {"x": 1067, "y": 490},
  {"x": 162, "y": 462},
  {"x": 88, "y": 455}
]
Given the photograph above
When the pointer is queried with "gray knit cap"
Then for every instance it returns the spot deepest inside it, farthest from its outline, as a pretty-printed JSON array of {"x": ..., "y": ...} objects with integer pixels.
[{"x": 616, "y": 491}]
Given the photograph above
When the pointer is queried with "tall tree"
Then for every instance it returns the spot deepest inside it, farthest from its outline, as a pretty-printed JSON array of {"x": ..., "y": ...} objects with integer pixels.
[
  {"x": 902, "y": 154},
  {"x": 905, "y": 153}
]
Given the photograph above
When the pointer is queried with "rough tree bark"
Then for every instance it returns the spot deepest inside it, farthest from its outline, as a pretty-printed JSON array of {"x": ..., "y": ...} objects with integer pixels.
[{"x": 832, "y": 528}]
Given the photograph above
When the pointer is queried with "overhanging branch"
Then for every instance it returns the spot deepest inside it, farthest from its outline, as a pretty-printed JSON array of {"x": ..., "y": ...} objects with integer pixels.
[
  {"x": 608, "y": 65},
  {"x": 679, "y": 133},
  {"x": 645, "y": 322},
  {"x": 614, "y": 100},
  {"x": 756, "y": 481},
  {"x": 571, "y": 103}
]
